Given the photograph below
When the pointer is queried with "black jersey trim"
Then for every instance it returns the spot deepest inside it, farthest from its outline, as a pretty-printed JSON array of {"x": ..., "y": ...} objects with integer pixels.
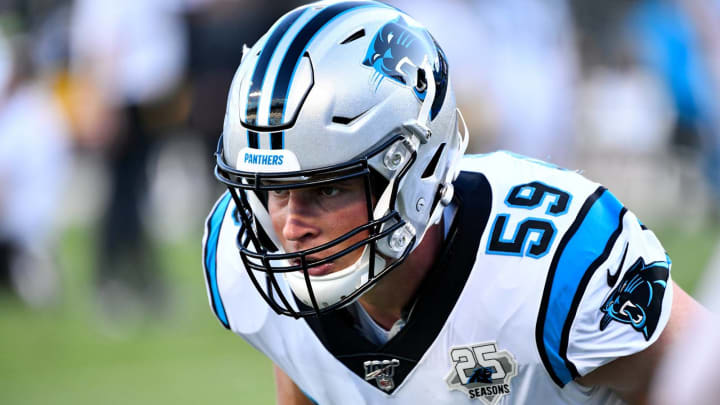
[{"x": 436, "y": 298}]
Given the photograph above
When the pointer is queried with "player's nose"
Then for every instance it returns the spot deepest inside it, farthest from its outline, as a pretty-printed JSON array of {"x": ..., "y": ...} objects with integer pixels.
[{"x": 299, "y": 224}]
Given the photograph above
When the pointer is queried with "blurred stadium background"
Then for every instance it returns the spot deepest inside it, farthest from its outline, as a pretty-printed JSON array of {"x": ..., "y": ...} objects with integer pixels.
[{"x": 110, "y": 110}]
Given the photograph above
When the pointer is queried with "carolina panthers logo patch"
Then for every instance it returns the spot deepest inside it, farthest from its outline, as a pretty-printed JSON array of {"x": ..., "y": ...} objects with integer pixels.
[
  {"x": 396, "y": 52},
  {"x": 637, "y": 300}
]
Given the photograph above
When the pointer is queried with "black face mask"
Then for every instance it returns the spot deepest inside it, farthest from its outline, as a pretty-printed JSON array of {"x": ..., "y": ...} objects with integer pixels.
[{"x": 260, "y": 254}]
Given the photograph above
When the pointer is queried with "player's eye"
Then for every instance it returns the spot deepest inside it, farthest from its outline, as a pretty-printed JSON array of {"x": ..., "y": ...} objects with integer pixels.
[
  {"x": 329, "y": 191},
  {"x": 280, "y": 193}
]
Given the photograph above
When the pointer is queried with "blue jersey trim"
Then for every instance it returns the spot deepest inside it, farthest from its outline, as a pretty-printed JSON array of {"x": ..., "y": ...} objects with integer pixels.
[
  {"x": 586, "y": 245},
  {"x": 214, "y": 225},
  {"x": 309, "y": 397}
]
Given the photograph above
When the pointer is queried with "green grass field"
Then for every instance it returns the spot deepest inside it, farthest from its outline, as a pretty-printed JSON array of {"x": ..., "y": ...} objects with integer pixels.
[{"x": 68, "y": 355}]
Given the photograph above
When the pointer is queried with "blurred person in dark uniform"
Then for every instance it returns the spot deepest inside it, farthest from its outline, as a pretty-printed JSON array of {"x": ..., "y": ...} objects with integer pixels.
[
  {"x": 217, "y": 31},
  {"x": 133, "y": 53}
]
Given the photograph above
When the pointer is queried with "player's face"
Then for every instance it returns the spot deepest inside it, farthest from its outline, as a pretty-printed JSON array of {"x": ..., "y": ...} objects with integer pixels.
[{"x": 308, "y": 217}]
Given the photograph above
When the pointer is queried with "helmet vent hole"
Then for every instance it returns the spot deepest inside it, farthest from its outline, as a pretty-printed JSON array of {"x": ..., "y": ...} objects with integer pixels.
[
  {"x": 430, "y": 169},
  {"x": 341, "y": 120},
  {"x": 356, "y": 35},
  {"x": 337, "y": 119},
  {"x": 421, "y": 83}
]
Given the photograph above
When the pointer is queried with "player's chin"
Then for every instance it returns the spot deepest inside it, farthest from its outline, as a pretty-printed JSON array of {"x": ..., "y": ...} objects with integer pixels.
[
  {"x": 322, "y": 269},
  {"x": 316, "y": 269},
  {"x": 333, "y": 266}
]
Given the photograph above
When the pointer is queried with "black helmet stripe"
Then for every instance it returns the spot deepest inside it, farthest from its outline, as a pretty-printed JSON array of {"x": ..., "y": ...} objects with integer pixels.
[
  {"x": 276, "y": 140},
  {"x": 262, "y": 64},
  {"x": 297, "y": 49},
  {"x": 252, "y": 139}
]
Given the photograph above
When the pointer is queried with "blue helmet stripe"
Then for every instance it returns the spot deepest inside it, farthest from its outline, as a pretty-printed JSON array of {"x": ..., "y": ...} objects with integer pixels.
[
  {"x": 584, "y": 247},
  {"x": 261, "y": 67}
]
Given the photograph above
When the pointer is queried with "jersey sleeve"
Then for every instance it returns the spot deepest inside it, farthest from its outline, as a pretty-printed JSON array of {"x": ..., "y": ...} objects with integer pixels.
[
  {"x": 608, "y": 292},
  {"x": 232, "y": 296}
]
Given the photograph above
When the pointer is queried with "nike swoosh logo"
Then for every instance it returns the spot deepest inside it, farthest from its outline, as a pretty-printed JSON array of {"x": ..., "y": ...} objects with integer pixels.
[{"x": 613, "y": 278}]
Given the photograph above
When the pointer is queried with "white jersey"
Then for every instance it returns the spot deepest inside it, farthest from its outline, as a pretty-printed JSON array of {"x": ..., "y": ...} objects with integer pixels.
[{"x": 544, "y": 276}]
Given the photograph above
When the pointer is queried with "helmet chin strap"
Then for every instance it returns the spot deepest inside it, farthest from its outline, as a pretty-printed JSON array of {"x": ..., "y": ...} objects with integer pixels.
[{"x": 331, "y": 288}]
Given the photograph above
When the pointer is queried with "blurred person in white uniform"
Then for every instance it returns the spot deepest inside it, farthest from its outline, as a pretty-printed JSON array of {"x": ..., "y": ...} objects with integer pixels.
[
  {"x": 34, "y": 155},
  {"x": 518, "y": 64}
]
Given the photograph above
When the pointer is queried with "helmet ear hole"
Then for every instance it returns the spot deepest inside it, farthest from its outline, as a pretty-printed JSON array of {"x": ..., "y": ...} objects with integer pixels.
[
  {"x": 432, "y": 166},
  {"x": 378, "y": 183}
]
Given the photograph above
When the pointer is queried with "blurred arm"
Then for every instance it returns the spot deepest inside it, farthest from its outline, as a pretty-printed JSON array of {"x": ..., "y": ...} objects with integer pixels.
[
  {"x": 287, "y": 392},
  {"x": 630, "y": 376}
]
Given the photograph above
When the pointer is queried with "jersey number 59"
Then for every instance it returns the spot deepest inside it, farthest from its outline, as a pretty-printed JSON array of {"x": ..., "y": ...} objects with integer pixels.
[{"x": 533, "y": 235}]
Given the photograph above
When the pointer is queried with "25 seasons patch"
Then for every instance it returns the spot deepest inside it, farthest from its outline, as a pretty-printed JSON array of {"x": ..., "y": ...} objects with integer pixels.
[{"x": 481, "y": 371}]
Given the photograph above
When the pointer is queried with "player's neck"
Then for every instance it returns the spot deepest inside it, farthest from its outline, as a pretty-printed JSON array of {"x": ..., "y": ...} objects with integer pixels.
[{"x": 385, "y": 302}]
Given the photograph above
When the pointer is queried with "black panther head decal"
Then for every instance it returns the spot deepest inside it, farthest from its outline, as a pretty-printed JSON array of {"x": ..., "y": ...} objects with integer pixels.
[
  {"x": 637, "y": 300},
  {"x": 398, "y": 50},
  {"x": 481, "y": 375}
]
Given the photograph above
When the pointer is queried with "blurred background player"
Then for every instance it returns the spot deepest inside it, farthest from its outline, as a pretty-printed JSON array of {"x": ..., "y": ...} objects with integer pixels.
[
  {"x": 34, "y": 157},
  {"x": 133, "y": 53},
  {"x": 160, "y": 70},
  {"x": 524, "y": 97}
]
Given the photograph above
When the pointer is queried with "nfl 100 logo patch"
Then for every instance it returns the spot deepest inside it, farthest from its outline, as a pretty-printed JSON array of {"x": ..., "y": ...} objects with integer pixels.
[
  {"x": 481, "y": 371},
  {"x": 383, "y": 373}
]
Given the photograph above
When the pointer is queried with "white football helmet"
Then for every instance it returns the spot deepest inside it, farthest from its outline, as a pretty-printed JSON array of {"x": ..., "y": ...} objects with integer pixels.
[{"x": 333, "y": 91}]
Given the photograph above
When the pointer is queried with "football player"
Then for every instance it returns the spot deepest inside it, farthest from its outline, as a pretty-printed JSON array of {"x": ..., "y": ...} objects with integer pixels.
[{"x": 373, "y": 263}]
